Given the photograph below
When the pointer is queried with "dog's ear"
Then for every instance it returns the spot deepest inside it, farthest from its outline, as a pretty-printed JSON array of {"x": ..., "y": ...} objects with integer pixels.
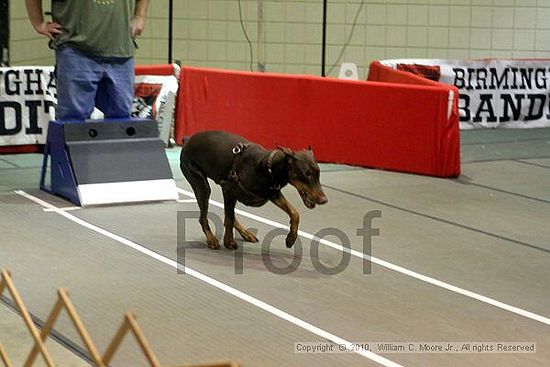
[{"x": 288, "y": 152}]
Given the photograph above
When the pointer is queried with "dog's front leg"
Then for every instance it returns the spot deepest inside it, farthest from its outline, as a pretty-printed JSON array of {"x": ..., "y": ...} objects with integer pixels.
[
  {"x": 283, "y": 203},
  {"x": 246, "y": 234},
  {"x": 229, "y": 202}
]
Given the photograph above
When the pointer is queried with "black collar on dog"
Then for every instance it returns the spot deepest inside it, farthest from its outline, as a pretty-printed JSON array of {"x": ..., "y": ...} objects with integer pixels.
[
  {"x": 270, "y": 162},
  {"x": 275, "y": 186}
]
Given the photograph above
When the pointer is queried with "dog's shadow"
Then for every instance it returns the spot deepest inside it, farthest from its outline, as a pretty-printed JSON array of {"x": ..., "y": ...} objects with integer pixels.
[{"x": 251, "y": 257}]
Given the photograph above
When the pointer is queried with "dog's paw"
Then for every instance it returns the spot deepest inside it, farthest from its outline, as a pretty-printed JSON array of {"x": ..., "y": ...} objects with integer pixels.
[
  {"x": 290, "y": 239},
  {"x": 213, "y": 243},
  {"x": 231, "y": 245}
]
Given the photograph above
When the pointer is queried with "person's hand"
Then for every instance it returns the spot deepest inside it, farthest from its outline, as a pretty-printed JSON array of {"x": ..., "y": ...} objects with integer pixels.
[
  {"x": 49, "y": 29},
  {"x": 137, "y": 26}
]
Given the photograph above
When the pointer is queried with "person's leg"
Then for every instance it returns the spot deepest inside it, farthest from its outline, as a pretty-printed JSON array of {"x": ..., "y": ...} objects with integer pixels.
[
  {"x": 116, "y": 89},
  {"x": 77, "y": 78}
]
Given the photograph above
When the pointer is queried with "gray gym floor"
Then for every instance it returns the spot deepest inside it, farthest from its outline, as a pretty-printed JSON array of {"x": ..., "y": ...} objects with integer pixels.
[{"x": 464, "y": 260}]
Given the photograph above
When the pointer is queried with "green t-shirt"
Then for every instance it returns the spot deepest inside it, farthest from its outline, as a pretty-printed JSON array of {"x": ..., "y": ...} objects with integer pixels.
[{"x": 97, "y": 27}]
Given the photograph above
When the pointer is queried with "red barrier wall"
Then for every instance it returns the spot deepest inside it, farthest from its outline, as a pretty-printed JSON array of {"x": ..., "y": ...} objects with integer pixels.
[
  {"x": 380, "y": 125},
  {"x": 450, "y": 128},
  {"x": 160, "y": 69},
  {"x": 11, "y": 149},
  {"x": 382, "y": 73}
]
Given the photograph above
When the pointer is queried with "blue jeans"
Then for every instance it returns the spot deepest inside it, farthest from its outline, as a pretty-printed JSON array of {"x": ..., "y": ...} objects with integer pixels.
[{"x": 85, "y": 81}]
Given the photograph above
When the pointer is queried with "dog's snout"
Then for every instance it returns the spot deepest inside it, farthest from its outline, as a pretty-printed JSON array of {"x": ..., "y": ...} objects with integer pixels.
[{"x": 318, "y": 194}]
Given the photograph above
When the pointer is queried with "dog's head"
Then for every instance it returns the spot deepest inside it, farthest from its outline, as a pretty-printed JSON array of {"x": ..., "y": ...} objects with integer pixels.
[{"x": 303, "y": 174}]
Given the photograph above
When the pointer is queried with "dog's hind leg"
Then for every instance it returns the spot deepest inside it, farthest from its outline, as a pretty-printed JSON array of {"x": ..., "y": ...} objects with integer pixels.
[
  {"x": 247, "y": 235},
  {"x": 200, "y": 186},
  {"x": 283, "y": 203},
  {"x": 229, "y": 202}
]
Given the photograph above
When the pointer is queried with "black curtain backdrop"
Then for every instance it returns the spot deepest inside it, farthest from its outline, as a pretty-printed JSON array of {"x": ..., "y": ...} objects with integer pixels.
[{"x": 4, "y": 32}]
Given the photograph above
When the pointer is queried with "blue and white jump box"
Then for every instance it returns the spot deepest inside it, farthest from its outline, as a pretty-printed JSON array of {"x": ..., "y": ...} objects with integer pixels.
[{"x": 107, "y": 162}]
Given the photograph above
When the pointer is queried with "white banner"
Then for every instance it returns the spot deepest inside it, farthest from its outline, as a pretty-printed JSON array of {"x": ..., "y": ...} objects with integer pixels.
[
  {"x": 150, "y": 95},
  {"x": 28, "y": 100},
  {"x": 493, "y": 93},
  {"x": 27, "y": 103}
]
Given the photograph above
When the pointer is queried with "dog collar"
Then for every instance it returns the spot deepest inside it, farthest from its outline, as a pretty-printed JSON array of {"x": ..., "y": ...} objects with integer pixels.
[{"x": 270, "y": 161}]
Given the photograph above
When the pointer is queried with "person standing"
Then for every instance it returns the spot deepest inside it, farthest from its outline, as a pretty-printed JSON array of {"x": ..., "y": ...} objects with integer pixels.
[{"x": 94, "y": 42}]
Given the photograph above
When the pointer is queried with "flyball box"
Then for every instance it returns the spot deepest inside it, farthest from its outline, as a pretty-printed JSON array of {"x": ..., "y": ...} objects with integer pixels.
[{"x": 106, "y": 162}]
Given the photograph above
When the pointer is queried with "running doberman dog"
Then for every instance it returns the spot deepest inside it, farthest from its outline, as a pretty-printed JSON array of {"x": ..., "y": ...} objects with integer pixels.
[{"x": 250, "y": 174}]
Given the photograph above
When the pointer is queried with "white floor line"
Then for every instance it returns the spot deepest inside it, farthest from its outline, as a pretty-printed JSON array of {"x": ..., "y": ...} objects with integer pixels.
[
  {"x": 65, "y": 209},
  {"x": 213, "y": 282},
  {"x": 187, "y": 201},
  {"x": 388, "y": 265}
]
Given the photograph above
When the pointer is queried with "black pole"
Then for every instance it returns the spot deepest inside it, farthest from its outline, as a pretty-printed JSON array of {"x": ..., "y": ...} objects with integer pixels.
[
  {"x": 4, "y": 32},
  {"x": 170, "y": 29},
  {"x": 324, "y": 44}
]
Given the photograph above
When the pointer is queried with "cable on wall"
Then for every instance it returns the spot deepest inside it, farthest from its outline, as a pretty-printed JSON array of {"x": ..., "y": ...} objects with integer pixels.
[
  {"x": 246, "y": 36},
  {"x": 354, "y": 24}
]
